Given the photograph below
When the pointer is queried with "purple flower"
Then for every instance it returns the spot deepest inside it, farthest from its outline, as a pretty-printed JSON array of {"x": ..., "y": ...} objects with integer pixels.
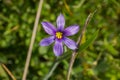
[{"x": 59, "y": 35}]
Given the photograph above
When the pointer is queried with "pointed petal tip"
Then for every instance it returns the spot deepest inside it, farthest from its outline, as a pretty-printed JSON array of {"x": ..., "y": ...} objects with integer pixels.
[
  {"x": 74, "y": 48},
  {"x": 43, "y": 22},
  {"x": 61, "y": 14},
  {"x": 57, "y": 55}
]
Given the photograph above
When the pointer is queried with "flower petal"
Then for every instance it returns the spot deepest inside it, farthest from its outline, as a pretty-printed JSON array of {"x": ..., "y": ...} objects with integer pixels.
[
  {"x": 49, "y": 28},
  {"x": 47, "y": 41},
  {"x": 58, "y": 48},
  {"x": 60, "y": 22},
  {"x": 70, "y": 43},
  {"x": 71, "y": 30}
]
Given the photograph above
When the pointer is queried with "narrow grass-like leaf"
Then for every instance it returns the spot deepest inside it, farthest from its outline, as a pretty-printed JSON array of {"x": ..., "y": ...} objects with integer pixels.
[{"x": 88, "y": 42}]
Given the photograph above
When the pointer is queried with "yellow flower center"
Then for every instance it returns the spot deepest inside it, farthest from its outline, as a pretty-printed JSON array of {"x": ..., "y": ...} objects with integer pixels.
[{"x": 59, "y": 35}]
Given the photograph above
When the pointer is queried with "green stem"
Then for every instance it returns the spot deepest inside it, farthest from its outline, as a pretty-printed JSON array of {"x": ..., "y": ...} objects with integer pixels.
[{"x": 51, "y": 71}]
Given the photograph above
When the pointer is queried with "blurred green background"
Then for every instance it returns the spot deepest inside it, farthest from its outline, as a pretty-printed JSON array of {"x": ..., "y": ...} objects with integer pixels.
[{"x": 100, "y": 61}]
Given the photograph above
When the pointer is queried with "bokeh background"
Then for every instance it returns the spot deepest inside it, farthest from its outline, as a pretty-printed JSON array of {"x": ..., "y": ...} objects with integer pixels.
[{"x": 100, "y": 61}]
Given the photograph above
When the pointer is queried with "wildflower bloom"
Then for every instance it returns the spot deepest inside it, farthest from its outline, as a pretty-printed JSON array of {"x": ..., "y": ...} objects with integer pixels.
[{"x": 59, "y": 35}]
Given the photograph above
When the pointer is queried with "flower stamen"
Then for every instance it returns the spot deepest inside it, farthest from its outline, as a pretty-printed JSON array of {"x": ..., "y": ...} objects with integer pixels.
[{"x": 59, "y": 35}]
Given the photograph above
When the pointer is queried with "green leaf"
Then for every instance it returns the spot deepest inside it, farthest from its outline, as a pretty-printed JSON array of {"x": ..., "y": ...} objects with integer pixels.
[{"x": 88, "y": 42}]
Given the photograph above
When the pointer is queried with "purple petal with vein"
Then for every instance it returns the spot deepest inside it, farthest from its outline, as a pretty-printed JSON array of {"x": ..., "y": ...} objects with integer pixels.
[
  {"x": 47, "y": 41},
  {"x": 71, "y": 30},
  {"x": 60, "y": 22},
  {"x": 58, "y": 48},
  {"x": 49, "y": 28},
  {"x": 70, "y": 43}
]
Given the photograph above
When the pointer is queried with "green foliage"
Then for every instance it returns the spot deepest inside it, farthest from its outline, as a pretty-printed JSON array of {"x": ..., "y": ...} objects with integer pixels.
[
  {"x": 99, "y": 54},
  {"x": 88, "y": 42}
]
